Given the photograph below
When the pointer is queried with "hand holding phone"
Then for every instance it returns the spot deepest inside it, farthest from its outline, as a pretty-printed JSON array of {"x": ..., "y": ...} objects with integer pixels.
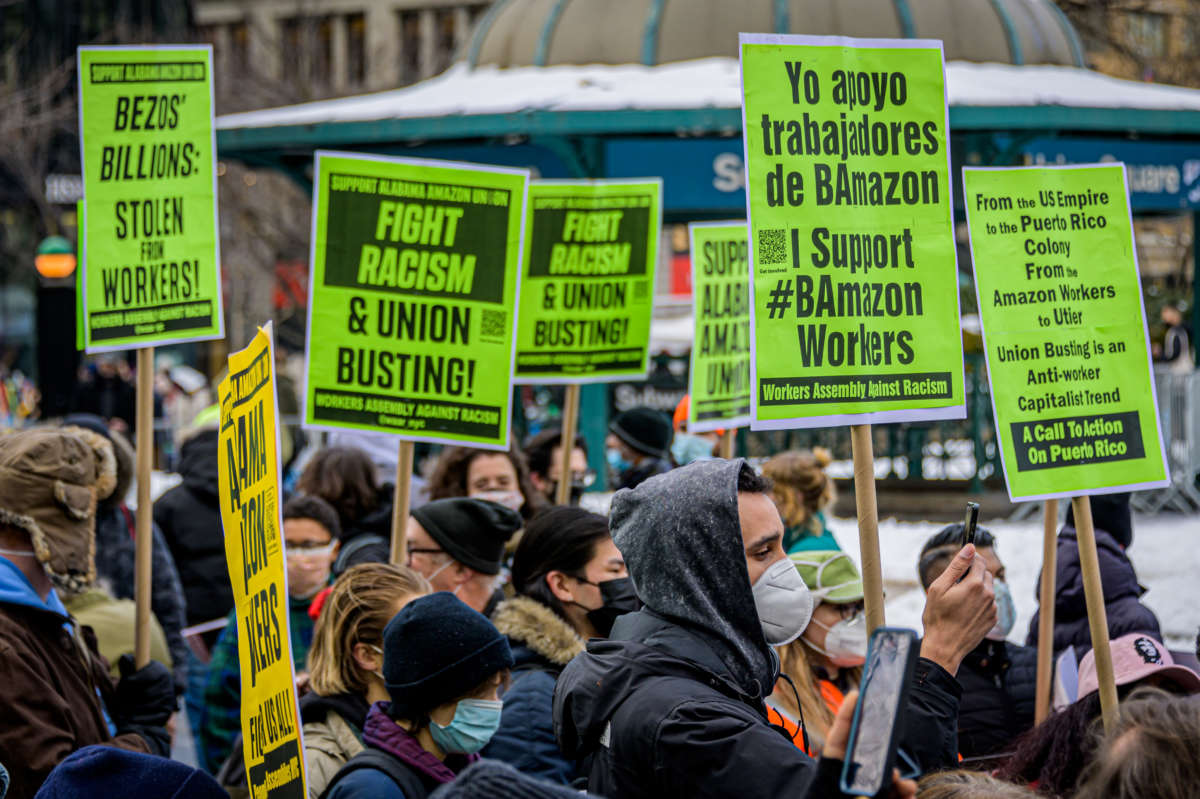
[
  {"x": 835, "y": 749},
  {"x": 970, "y": 523},
  {"x": 879, "y": 712}
]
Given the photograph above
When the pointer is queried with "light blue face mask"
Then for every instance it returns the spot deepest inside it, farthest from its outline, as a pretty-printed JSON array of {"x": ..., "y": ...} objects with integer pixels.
[
  {"x": 615, "y": 460},
  {"x": 1007, "y": 617},
  {"x": 475, "y": 722},
  {"x": 688, "y": 448}
]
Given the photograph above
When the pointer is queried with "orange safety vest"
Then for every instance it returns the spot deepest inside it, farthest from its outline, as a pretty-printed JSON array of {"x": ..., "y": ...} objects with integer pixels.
[{"x": 833, "y": 700}]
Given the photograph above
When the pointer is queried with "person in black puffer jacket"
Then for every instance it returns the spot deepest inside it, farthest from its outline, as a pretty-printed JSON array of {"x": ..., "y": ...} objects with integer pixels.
[
  {"x": 572, "y": 585},
  {"x": 189, "y": 516},
  {"x": 1114, "y": 535},
  {"x": 998, "y": 677}
]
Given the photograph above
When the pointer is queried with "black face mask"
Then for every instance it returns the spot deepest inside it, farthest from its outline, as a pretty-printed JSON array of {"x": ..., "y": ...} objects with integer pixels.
[
  {"x": 618, "y": 597},
  {"x": 576, "y": 492}
]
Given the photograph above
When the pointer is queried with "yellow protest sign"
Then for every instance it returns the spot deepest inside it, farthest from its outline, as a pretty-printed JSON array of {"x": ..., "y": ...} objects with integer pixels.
[{"x": 248, "y": 477}]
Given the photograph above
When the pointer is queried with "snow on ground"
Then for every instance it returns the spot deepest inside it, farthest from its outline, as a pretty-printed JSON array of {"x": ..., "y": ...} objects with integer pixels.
[{"x": 1165, "y": 553}]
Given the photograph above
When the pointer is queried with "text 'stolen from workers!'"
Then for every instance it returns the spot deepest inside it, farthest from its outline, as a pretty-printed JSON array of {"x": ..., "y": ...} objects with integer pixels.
[
  {"x": 853, "y": 268},
  {"x": 150, "y": 243}
]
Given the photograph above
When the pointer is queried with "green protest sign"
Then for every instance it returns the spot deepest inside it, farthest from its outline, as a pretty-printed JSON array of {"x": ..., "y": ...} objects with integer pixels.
[
  {"x": 149, "y": 236},
  {"x": 1064, "y": 330},
  {"x": 588, "y": 288},
  {"x": 415, "y": 268},
  {"x": 854, "y": 285},
  {"x": 720, "y": 371}
]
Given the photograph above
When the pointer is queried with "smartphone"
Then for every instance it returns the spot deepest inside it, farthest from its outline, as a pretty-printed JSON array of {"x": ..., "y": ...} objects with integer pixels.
[
  {"x": 879, "y": 714},
  {"x": 970, "y": 522}
]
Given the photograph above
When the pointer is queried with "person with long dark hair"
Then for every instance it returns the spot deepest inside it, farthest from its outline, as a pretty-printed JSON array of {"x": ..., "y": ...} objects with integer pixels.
[
  {"x": 345, "y": 478},
  {"x": 571, "y": 585}
]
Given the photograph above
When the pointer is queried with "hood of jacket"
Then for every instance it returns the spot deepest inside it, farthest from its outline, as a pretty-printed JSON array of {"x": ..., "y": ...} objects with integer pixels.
[
  {"x": 530, "y": 623},
  {"x": 591, "y": 689},
  {"x": 198, "y": 463},
  {"x": 1116, "y": 574},
  {"x": 376, "y": 521},
  {"x": 15, "y": 589},
  {"x": 681, "y": 538}
]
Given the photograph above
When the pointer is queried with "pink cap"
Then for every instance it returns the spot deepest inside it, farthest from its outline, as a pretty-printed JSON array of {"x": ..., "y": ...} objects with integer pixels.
[{"x": 1135, "y": 657}]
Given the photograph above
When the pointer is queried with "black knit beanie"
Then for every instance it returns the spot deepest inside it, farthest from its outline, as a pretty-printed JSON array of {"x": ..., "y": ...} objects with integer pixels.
[
  {"x": 472, "y": 531},
  {"x": 437, "y": 649},
  {"x": 1110, "y": 513},
  {"x": 645, "y": 430},
  {"x": 492, "y": 779}
]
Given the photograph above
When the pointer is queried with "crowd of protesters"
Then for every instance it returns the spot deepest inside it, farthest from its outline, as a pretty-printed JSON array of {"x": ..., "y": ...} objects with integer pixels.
[{"x": 705, "y": 638}]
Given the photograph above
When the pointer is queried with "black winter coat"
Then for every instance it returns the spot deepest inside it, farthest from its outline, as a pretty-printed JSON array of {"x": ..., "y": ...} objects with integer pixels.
[
  {"x": 190, "y": 518},
  {"x": 663, "y": 717},
  {"x": 115, "y": 556},
  {"x": 1121, "y": 593},
  {"x": 367, "y": 539},
  {"x": 999, "y": 681}
]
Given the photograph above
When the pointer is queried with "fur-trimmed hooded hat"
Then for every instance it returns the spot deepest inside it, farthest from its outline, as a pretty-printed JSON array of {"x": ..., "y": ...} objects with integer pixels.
[{"x": 50, "y": 482}]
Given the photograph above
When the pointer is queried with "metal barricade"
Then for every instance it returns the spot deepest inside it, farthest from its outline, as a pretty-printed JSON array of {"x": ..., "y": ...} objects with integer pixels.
[{"x": 1179, "y": 418}]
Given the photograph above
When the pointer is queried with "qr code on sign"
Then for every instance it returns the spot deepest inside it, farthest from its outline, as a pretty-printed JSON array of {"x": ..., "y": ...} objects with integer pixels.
[
  {"x": 493, "y": 324},
  {"x": 772, "y": 246}
]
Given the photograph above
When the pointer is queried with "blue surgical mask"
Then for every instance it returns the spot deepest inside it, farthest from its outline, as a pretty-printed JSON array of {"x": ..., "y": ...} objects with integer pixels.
[
  {"x": 1007, "y": 612},
  {"x": 616, "y": 461},
  {"x": 475, "y": 722},
  {"x": 688, "y": 448}
]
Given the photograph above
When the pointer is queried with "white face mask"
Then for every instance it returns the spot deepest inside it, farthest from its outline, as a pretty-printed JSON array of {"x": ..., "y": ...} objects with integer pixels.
[
  {"x": 513, "y": 500},
  {"x": 783, "y": 603},
  {"x": 1007, "y": 617},
  {"x": 845, "y": 642}
]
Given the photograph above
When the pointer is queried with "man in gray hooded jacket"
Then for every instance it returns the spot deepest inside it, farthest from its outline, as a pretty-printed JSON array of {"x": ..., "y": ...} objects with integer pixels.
[{"x": 672, "y": 704}]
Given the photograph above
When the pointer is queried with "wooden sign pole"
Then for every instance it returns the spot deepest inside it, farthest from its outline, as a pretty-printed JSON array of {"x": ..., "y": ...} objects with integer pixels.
[
  {"x": 727, "y": 443},
  {"x": 401, "y": 500},
  {"x": 1093, "y": 593},
  {"x": 144, "y": 538},
  {"x": 1045, "y": 651},
  {"x": 868, "y": 524},
  {"x": 570, "y": 424}
]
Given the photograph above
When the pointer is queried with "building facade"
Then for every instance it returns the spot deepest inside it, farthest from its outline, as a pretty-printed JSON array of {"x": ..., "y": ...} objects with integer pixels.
[
  {"x": 313, "y": 49},
  {"x": 1140, "y": 39}
]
